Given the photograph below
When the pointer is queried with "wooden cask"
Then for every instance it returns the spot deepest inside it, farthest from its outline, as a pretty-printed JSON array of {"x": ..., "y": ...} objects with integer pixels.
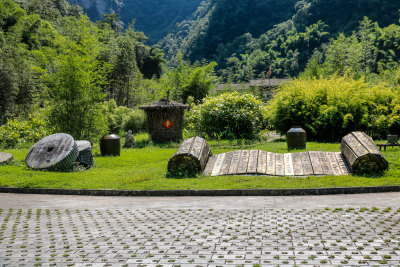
[
  {"x": 361, "y": 153},
  {"x": 191, "y": 157}
]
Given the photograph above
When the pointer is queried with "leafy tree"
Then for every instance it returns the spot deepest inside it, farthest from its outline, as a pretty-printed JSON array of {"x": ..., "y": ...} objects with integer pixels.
[{"x": 75, "y": 87}]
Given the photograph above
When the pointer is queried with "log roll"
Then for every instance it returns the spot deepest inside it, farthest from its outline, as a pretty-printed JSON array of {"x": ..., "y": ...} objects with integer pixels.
[
  {"x": 361, "y": 153},
  {"x": 191, "y": 156}
]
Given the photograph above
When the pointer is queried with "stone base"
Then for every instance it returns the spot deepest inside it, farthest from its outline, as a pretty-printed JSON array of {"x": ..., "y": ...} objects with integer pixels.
[
  {"x": 6, "y": 158},
  {"x": 85, "y": 156}
]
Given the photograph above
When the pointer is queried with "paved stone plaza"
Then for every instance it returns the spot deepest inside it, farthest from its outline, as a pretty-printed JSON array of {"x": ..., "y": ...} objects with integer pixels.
[{"x": 353, "y": 230}]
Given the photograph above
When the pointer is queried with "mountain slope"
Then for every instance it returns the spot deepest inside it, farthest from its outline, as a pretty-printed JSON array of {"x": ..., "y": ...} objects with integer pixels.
[{"x": 156, "y": 18}]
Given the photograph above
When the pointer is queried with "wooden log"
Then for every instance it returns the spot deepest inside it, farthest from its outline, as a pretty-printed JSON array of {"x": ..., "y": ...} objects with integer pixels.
[
  {"x": 262, "y": 162},
  {"x": 253, "y": 160},
  {"x": 361, "y": 153},
  {"x": 244, "y": 160},
  {"x": 54, "y": 152},
  {"x": 226, "y": 163},
  {"x": 326, "y": 165},
  {"x": 191, "y": 156},
  {"x": 306, "y": 162},
  {"x": 218, "y": 164},
  {"x": 271, "y": 163},
  {"x": 316, "y": 164},
  {"x": 235, "y": 162},
  {"x": 334, "y": 163},
  {"x": 279, "y": 165},
  {"x": 210, "y": 165},
  {"x": 297, "y": 164},
  {"x": 344, "y": 168},
  {"x": 289, "y": 171}
]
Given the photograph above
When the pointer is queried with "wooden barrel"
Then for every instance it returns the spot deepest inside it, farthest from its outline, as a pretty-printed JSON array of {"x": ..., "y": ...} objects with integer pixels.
[
  {"x": 191, "y": 157},
  {"x": 361, "y": 153},
  {"x": 54, "y": 152}
]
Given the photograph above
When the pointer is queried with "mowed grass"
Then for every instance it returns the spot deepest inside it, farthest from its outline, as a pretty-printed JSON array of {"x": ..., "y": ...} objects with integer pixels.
[{"x": 145, "y": 168}]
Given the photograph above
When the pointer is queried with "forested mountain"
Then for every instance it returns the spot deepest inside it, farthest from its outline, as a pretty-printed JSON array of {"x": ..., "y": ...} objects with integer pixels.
[
  {"x": 283, "y": 34},
  {"x": 156, "y": 18}
]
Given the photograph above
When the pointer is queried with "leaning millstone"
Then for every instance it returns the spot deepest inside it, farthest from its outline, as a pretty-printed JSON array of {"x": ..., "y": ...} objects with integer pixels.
[
  {"x": 6, "y": 158},
  {"x": 85, "y": 153},
  {"x": 54, "y": 152}
]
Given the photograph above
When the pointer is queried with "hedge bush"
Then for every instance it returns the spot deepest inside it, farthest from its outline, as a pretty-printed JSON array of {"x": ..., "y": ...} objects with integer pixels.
[
  {"x": 230, "y": 115},
  {"x": 19, "y": 131},
  {"x": 124, "y": 119},
  {"x": 329, "y": 108}
]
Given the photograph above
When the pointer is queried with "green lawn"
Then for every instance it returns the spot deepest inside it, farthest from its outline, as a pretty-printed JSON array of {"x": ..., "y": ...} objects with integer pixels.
[{"x": 145, "y": 169}]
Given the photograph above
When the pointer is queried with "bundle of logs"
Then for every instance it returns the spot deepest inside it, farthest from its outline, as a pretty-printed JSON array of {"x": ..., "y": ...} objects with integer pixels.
[{"x": 359, "y": 154}]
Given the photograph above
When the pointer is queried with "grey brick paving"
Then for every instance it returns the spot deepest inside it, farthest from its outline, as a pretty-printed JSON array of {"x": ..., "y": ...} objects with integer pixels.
[{"x": 200, "y": 237}]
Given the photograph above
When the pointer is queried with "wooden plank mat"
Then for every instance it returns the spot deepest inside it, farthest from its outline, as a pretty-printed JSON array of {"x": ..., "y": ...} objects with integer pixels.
[
  {"x": 262, "y": 162},
  {"x": 258, "y": 162},
  {"x": 253, "y": 160}
]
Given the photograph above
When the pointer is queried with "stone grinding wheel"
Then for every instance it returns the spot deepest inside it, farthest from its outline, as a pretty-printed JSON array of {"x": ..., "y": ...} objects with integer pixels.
[{"x": 54, "y": 152}]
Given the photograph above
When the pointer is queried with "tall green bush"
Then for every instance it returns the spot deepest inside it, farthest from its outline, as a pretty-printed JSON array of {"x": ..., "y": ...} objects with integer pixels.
[
  {"x": 230, "y": 115},
  {"x": 329, "y": 108},
  {"x": 20, "y": 131}
]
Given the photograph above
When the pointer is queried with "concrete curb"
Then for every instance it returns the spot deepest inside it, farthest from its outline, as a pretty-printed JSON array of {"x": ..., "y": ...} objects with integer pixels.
[{"x": 209, "y": 193}]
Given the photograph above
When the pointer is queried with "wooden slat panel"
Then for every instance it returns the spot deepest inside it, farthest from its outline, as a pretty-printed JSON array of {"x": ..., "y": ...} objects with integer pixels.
[
  {"x": 244, "y": 160},
  {"x": 289, "y": 171},
  {"x": 297, "y": 164},
  {"x": 367, "y": 142},
  {"x": 185, "y": 146},
  {"x": 355, "y": 145},
  {"x": 279, "y": 165},
  {"x": 306, "y": 162},
  {"x": 271, "y": 160},
  {"x": 218, "y": 165},
  {"x": 316, "y": 164},
  {"x": 262, "y": 162},
  {"x": 348, "y": 153},
  {"x": 210, "y": 165},
  {"x": 326, "y": 165},
  {"x": 253, "y": 160},
  {"x": 235, "y": 162},
  {"x": 344, "y": 168},
  {"x": 334, "y": 164},
  {"x": 197, "y": 146},
  {"x": 226, "y": 164}
]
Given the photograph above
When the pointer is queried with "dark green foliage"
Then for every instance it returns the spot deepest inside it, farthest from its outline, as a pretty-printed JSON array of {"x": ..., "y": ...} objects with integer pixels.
[{"x": 228, "y": 116}]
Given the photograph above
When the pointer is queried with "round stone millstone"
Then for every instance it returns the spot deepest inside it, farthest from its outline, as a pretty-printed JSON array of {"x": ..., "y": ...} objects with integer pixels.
[
  {"x": 54, "y": 152},
  {"x": 6, "y": 158}
]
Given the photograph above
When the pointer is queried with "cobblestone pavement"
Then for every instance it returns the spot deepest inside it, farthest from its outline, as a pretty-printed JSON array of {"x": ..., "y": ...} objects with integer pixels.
[{"x": 194, "y": 236}]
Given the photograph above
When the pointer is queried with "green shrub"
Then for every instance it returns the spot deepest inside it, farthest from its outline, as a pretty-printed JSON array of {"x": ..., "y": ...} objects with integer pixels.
[
  {"x": 124, "y": 119},
  {"x": 135, "y": 121},
  {"x": 230, "y": 115},
  {"x": 18, "y": 131},
  {"x": 329, "y": 108}
]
